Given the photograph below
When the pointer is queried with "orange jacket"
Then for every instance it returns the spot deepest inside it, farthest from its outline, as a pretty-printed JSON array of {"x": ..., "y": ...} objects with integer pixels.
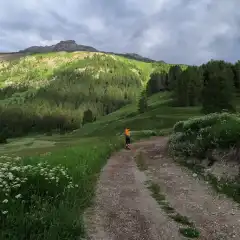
[{"x": 127, "y": 132}]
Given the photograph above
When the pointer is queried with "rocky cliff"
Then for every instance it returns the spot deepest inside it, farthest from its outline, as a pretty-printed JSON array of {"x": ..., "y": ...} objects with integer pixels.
[{"x": 68, "y": 46}]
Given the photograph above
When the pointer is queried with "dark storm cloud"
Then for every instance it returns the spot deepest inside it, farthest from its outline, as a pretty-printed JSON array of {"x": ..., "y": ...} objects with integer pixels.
[{"x": 177, "y": 31}]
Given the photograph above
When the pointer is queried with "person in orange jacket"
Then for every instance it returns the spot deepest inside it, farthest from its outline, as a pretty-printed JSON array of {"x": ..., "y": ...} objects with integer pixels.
[{"x": 127, "y": 137}]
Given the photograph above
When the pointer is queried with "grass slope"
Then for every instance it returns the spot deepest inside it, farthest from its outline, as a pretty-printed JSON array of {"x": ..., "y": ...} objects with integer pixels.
[
  {"x": 83, "y": 153},
  {"x": 160, "y": 115},
  {"x": 38, "y": 69},
  {"x": 54, "y": 89},
  {"x": 83, "y": 156},
  {"x": 30, "y": 205}
]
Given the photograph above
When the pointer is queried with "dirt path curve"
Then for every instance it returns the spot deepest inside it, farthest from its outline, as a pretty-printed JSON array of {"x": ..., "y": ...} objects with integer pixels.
[{"x": 125, "y": 210}]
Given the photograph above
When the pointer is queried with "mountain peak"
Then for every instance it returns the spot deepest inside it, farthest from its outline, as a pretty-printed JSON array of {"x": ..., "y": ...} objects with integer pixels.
[
  {"x": 65, "y": 45},
  {"x": 72, "y": 46}
]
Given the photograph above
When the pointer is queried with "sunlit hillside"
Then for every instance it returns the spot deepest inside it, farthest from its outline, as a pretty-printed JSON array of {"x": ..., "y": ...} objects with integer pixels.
[{"x": 52, "y": 90}]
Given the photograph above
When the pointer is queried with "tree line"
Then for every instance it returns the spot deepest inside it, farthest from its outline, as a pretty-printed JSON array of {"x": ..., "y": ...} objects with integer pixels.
[{"x": 213, "y": 85}]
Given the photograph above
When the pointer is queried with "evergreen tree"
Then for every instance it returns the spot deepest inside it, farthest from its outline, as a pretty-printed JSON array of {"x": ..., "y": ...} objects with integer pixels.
[
  {"x": 180, "y": 92},
  {"x": 142, "y": 103},
  {"x": 188, "y": 87},
  {"x": 157, "y": 82},
  {"x": 195, "y": 84},
  {"x": 3, "y": 135},
  {"x": 218, "y": 90},
  {"x": 87, "y": 117},
  {"x": 236, "y": 71},
  {"x": 173, "y": 74}
]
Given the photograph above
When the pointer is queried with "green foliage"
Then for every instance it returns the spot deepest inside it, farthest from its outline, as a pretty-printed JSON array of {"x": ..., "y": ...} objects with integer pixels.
[
  {"x": 73, "y": 83},
  {"x": 3, "y": 135},
  {"x": 87, "y": 117},
  {"x": 140, "y": 161},
  {"x": 173, "y": 75},
  {"x": 196, "y": 136},
  {"x": 142, "y": 103},
  {"x": 51, "y": 92},
  {"x": 47, "y": 201},
  {"x": 211, "y": 85},
  {"x": 158, "y": 82},
  {"x": 189, "y": 232},
  {"x": 218, "y": 91},
  {"x": 188, "y": 87},
  {"x": 181, "y": 219},
  {"x": 236, "y": 71}
]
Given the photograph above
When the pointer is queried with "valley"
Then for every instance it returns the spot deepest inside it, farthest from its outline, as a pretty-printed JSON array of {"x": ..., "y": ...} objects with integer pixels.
[{"x": 62, "y": 118}]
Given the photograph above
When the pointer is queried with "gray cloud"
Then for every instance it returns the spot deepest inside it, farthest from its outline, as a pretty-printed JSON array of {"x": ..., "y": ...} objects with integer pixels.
[{"x": 177, "y": 31}]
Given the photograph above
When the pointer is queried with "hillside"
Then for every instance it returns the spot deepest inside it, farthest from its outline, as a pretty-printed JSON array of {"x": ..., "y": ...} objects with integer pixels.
[
  {"x": 84, "y": 152},
  {"x": 50, "y": 91}
]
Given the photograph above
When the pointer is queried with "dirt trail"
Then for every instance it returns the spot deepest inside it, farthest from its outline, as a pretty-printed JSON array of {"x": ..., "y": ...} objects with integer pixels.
[{"x": 124, "y": 208}]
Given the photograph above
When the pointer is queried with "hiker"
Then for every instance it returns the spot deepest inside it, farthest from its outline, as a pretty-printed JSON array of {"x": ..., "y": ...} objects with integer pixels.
[{"x": 127, "y": 137}]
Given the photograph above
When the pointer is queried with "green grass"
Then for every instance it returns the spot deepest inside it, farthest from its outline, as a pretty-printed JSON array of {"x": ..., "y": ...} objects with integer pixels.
[
  {"x": 155, "y": 192},
  {"x": 167, "y": 208},
  {"x": 62, "y": 219},
  {"x": 141, "y": 164},
  {"x": 189, "y": 232},
  {"x": 160, "y": 116},
  {"x": 83, "y": 152},
  {"x": 181, "y": 219},
  {"x": 31, "y": 68}
]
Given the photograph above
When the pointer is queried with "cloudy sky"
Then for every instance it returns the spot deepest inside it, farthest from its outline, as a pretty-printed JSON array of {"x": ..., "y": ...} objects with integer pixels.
[{"x": 176, "y": 31}]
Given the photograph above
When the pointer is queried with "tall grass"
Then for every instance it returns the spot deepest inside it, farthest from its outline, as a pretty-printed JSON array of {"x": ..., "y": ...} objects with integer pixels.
[{"x": 50, "y": 199}]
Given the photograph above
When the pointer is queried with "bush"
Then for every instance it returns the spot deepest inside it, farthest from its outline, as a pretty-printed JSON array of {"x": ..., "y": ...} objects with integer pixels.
[
  {"x": 196, "y": 136},
  {"x": 87, "y": 117},
  {"x": 3, "y": 136}
]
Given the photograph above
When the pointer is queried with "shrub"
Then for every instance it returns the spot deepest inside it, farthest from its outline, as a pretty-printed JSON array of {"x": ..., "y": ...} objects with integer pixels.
[
  {"x": 3, "y": 136},
  {"x": 196, "y": 136},
  {"x": 87, "y": 117}
]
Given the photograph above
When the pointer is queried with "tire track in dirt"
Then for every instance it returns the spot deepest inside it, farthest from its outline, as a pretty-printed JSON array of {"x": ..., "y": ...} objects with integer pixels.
[
  {"x": 124, "y": 208},
  {"x": 216, "y": 216}
]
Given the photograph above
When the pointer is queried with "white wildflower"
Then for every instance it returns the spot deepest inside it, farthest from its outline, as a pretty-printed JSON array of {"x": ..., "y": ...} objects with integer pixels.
[
  {"x": 18, "y": 196},
  {"x": 17, "y": 158},
  {"x": 10, "y": 176}
]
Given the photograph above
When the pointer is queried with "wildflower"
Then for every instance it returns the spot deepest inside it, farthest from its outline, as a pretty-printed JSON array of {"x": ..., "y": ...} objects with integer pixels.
[
  {"x": 5, "y": 201},
  {"x": 18, "y": 196},
  {"x": 17, "y": 158},
  {"x": 4, "y": 212},
  {"x": 10, "y": 176}
]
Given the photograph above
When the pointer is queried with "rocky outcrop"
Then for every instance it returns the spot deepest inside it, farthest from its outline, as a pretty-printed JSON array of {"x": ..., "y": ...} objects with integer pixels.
[
  {"x": 67, "y": 46},
  {"x": 72, "y": 46}
]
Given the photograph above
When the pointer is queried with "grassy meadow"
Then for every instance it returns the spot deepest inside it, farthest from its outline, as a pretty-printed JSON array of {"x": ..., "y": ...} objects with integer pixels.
[
  {"x": 82, "y": 154},
  {"x": 48, "y": 179}
]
